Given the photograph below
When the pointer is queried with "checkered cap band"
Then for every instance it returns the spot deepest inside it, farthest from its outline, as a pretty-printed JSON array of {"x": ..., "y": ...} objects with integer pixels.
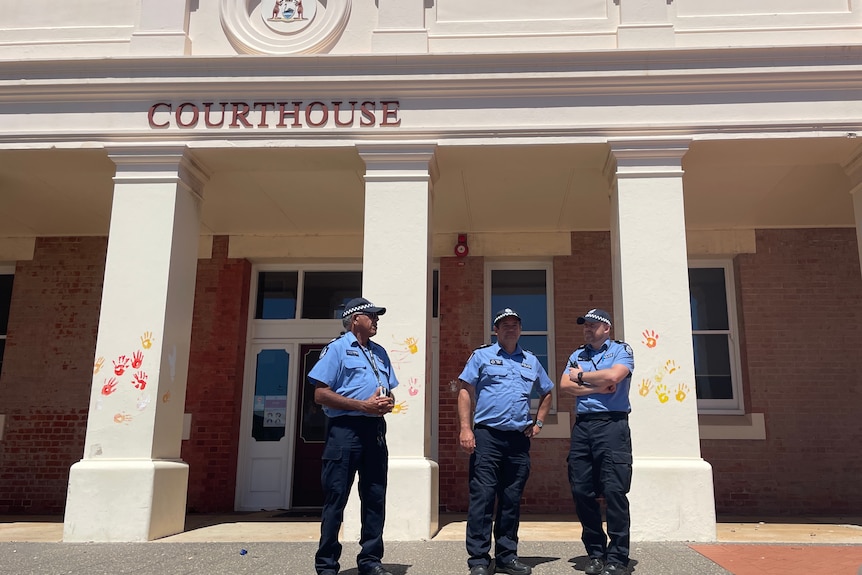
[{"x": 357, "y": 308}]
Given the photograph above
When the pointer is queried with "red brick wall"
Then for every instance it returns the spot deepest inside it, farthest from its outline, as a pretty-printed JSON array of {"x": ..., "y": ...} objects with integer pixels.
[
  {"x": 801, "y": 304},
  {"x": 214, "y": 392},
  {"x": 47, "y": 374},
  {"x": 47, "y": 371},
  {"x": 462, "y": 329}
]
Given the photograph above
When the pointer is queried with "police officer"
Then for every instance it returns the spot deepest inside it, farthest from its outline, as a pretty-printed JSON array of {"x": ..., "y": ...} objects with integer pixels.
[
  {"x": 600, "y": 455},
  {"x": 498, "y": 379},
  {"x": 353, "y": 382}
]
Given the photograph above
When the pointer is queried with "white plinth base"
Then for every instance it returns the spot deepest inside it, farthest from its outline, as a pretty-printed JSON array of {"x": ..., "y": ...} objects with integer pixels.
[
  {"x": 125, "y": 500},
  {"x": 672, "y": 500},
  {"x": 412, "y": 502}
]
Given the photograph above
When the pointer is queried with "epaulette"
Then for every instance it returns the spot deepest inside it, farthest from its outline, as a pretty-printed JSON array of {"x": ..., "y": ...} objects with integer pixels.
[
  {"x": 484, "y": 346},
  {"x": 584, "y": 346},
  {"x": 527, "y": 351}
]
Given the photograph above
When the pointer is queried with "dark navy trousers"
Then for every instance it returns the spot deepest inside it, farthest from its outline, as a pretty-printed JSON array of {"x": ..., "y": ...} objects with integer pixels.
[
  {"x": 353, "y": 444},
  {"x": 499, "y": 468},
  {"x": 600, "y": 464}
]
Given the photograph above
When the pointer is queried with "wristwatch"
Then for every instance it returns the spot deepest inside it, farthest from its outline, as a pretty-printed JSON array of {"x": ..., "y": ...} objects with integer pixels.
[
  {"x": 540, "y": 424},
  {"x": 580, "y": 377}
]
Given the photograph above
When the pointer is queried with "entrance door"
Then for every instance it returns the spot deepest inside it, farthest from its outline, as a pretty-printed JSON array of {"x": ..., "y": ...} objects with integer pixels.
[
  {"x": 310, "y": 436},
  {"x": 266, "y": 474}
]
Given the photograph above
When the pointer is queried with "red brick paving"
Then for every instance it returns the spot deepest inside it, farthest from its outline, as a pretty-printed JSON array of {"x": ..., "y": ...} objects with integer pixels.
[{"x": 741, "y": 559}]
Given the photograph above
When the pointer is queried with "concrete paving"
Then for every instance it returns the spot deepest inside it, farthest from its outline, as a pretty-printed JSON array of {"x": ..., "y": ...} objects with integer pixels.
[{"x": 262, "y": 543}]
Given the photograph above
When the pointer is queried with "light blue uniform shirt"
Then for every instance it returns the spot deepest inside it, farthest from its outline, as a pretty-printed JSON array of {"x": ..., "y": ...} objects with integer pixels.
[
  {"x": 610, "y": 353},
  {"x": 352, "y": 371},
  {"x": 503, "y": 385}
]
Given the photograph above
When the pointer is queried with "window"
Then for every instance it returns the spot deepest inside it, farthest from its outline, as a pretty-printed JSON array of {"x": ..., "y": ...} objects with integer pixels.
[
  {"x": 6, "y": 277},
  {"x": 276, "y": 295},
  {"x": 324, "y": 293},
  {"x": 714, "y": 336},
  {"x": 526, "y": 289}
]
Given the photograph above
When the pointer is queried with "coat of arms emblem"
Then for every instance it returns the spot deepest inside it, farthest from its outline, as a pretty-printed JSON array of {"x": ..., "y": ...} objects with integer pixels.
[{"x": 288, "y": 11}]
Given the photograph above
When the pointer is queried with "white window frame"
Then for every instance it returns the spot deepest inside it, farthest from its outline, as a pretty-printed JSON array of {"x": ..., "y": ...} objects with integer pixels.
[
  {"x": 548, "y": 268},
  {"x": 735, "y": 405}
]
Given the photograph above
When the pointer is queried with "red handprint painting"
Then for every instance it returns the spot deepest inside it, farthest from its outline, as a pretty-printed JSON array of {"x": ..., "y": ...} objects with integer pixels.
[
  {"x": 110, "y": 386},
  {"x": 137, "y": 359},
  {"x": 121, "y": 364},
  {"x": 139, "y": 380}
]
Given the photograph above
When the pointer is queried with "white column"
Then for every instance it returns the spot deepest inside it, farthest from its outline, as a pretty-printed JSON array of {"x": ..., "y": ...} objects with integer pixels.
[
  {"x": 131, "y": 484},
  {"x": 162, "y": 28},
  {"x": 672, "y": 493},
  {"x": 400, "y": 27},
  {"x": 396, "y": 274},
  {"x": 853, "y": 169},
  {"x": 645, "y": 24}
]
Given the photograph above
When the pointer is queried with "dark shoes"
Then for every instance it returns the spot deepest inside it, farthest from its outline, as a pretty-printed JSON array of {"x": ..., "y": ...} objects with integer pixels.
[
  {"x": 479, "y": 570},
  {"x": 377, "y": 570},
  {"x": 615, "y": 569},
  {"x": 595, "y": 566},
  {"x": 513, "y": 567}
]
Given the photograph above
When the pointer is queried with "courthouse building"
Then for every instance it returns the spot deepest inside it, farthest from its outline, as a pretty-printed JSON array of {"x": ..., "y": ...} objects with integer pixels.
[{"x": 191, "y": 190}]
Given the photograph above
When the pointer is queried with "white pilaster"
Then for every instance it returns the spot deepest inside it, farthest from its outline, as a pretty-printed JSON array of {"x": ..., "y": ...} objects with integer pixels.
[
  {"x": 396, "y": 274},
  {"x": 644, "y": 24},
  {"x": 131, "y": 484},
  {"x": 853, "y": 169},
  {"x": 162, "y": 28},
  {"x": 400, "y": 27},
  {"x": 672, "y": 493}
]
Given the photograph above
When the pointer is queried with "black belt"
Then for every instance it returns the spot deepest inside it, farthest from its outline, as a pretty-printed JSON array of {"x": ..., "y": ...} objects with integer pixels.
[
  {"x": 489, "y": 428},
  {"x": 602, "y": 416}
]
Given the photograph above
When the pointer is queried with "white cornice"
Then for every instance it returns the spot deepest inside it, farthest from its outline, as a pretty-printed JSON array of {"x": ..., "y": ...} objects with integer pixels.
[{"x": 597, "y": 73}]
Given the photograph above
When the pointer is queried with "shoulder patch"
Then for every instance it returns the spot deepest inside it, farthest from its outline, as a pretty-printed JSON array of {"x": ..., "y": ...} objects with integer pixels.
[
  {"x": 626, "y": 347},
  {"x": 326, "y": 347}
]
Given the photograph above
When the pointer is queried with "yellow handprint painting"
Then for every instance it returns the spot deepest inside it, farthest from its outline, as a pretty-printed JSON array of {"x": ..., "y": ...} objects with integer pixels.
[{"x": 645, "y": 387}]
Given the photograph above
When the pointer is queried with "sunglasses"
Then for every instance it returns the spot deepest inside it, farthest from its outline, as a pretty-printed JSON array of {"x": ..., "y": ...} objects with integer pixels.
[{"x": 371, "y": 315}]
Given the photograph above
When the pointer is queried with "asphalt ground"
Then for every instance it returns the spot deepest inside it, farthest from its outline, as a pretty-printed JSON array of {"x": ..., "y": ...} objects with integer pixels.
[
  {"x": 284, "y": 543},
  {"x": 401, "y": 558}
]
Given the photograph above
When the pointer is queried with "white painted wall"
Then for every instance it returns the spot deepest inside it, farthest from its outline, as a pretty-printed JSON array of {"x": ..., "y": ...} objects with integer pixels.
[{"x": 102, "y": 28}]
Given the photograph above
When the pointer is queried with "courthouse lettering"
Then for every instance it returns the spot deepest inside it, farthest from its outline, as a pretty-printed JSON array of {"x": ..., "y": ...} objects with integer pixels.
[{"x": 317, "y": 114}]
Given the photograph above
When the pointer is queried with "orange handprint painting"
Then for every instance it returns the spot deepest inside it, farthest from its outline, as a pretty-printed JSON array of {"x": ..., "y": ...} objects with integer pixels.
[{"x": 650, "y": 338}]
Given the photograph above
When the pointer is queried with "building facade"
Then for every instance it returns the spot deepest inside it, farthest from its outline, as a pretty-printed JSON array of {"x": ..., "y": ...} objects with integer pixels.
[{"x": 190, "y": 190}]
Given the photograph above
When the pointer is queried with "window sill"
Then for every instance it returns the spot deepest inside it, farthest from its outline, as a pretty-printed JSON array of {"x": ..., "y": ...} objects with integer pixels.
[{"x": 748, "y": 426}]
